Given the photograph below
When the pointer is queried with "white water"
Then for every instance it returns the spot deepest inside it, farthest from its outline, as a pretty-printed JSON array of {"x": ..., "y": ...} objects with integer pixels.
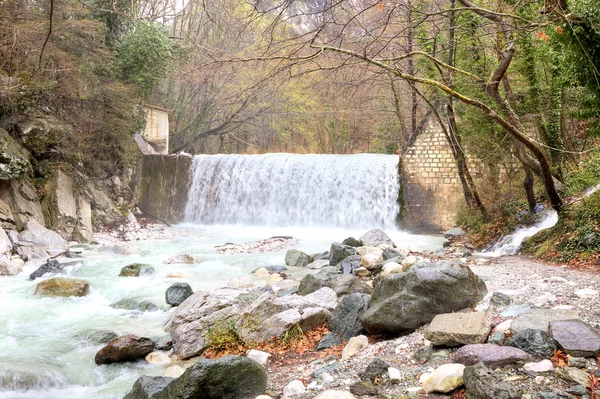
[{"x": 350, "y": 191}]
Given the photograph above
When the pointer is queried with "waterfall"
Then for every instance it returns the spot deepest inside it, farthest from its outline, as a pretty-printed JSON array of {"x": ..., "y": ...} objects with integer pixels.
[{"x": 349, "y": 191}]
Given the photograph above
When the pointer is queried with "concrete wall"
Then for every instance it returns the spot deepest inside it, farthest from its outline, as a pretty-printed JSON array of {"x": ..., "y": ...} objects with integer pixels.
[
  {"x": 156, "y": 132},
  {"x": 163, "y": 185},
  {"x": 432, "y": 191}
]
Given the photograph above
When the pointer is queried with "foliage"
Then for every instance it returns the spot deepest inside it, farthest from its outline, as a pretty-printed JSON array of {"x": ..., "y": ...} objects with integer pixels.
[
  {"x": 584, "y": 176},
  {"x": 145, "y": 56},
  {"x": 223, "y": 336}
]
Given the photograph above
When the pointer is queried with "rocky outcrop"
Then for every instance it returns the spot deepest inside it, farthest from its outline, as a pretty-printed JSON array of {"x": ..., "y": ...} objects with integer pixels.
[
  {"x": 37, "y": 243},
  {"x": 14, "y": 159},
  {"x": 19, "y": 203},
  {"x": 227, "y": 377},
  {"x": 123, "y": 349},
  {"x": 406, "y": 301},
  {"x": 270, "y": 316},
  {"x": 60, "y": 286},
  {"x": 345, "y": 318}
]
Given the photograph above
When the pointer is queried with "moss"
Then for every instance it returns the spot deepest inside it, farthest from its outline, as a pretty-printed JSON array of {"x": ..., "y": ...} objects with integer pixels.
[{"x": 222, "y": 335}]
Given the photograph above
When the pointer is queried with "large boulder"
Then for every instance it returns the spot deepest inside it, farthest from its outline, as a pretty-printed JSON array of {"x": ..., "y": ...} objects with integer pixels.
[
  {"x": 576, "y": 338},
  {"x": 177, "y": 293},
  {"x": 345, "y": 318},
  {"x": 338, "y": 252},
  {"x": 9, "y": 267},
  {"x": 481, "y": 383},
  {"x": 37, "y": 242},
  {"x": 271, "y": 316},
  {"x": 375, "y": 237},
  {"x": 539, "y": 319},
  {"x": 19, "y": 203},
  {"x": 404, "y": 302},
  {"x": 227, "y": 377},
  {"x": 61, "y": 286},
  {"x": 455, "y": 329},
  {"x": 201, "y": 317},
  {"x": 342, "y": 284},
  {"x": 14, "y": 159},
  {"x": 294, "y": 257},
  {"x": 123, "y": 349},
  {"x": 60, "y": 205},
  {"x": 52, "y": 266}
]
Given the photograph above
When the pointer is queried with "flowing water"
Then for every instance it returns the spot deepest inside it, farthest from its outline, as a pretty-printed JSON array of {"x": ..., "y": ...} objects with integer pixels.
[{"x": 44, "y": 352}]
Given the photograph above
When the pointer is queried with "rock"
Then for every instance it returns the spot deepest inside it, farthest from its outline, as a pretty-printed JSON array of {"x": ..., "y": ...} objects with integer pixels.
[
  {"x": 147, "y": 387},
  {"x": 575, "y": 337},
  {"x": 375, "y": 237},
  {"x": 14, "y": 159},
  {"x": 515, "y": 310},
  {"x": 157, "y": 357},
  {"x": 370, "y": 257},
  {"x": 177, "y": 275},
  {"x": 262, "y": 272},
  {"x": 535, "y": 342},
  {"x": 391, "y": 253},
  {"x": 577, "y": 362},
  {"x": 135, "y": 304},
  {"x": 252, "y": 295},
  {"x": 504, "y": 326},
  {"x": 500, "y": 299},
  {"x": 321, "y": 256},
  {"x": 362, "y": 272},
  {"x": 318, "y": 264},
  {"x": 294, "y": 389},
  {"x": 497, "y": 338},
  {"x": 125, "y": 348},
  {"x": 575, "y": 375},
  {"x": 391, "y": 268},
  {"x": 481, "y": 383},
  {"x": 338, "y": 252},
  {"x": 258, "y": 356},
  {"x": 539, "y": 319},
  {"x": 119, "y": 249},
  {"x": 329, "y": 340},
  {"x": 539, "y": 367},
  {"x": 243, "y": 282},
  {"x": 408, "y": 262},
  {"x": 352, "y": 242},
  {"x": 404, "y": 302},
  {"x": 586, "y": 293},
  {"x": 135, "y": 270},
  {"x": 429, "y": 354},
  {"x": 491, "y": 355},
  {"x": 36, "y": 241},
  {"x": 375, "y": 369},
  {"x": 6, "y": 246},
  {"x": 364, "y": 388},
  {"x": 350, "y": 264},
  {"x": 326, "y": 369},
  {"x": 9, "y": 267},
  {"x": 335, "y": 394},
  {"x": 577, "y": 390},
  {"x": 19, "y": 203},
  {"x": 181, "y": 258},
  {"x": 345, "y": 318},
  {"x": 454, "y": 233},
  {"x": 444, "y": 379},
  {"x": 101, "y": 336},
  {"x": 454, "y": 329},
  {"x": 354, "y": 345},
  {"x": 52, "y": 266},
  {"x": 342, "y": 284},
  {"x": 293, "y": 257},
  {"x": 271, "y": 316},
  {"x": 174, "y": 371},
  {"x": 276, "y": 269},
  {"x": 61, "y": 208},
  {"x": 201, "y": 317},
  {"x": 61, "y": 286},
  {"x": 177, "y": 293},
  {"x": 394, "y": 375},
  {"x": 227, "y": 377}
]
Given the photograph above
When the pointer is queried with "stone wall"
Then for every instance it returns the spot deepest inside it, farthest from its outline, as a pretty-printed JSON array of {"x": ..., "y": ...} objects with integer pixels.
[
  {"x": 163, "y": 185},
  {"x": 432, "y": 191}
]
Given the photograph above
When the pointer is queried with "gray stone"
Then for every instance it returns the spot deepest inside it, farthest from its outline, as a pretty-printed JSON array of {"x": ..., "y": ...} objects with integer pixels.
[
  {"x": 481, "y": 383},
  {"x": 326, "y": 369},
  {"x": 36, "y": 241},
  {"x": 499, "y": 299},
  {"x": 252, "y": 295},
  {"x": 353, "y": 242},
  {"x": 9, "y": 267},
  {"x": 578, "y": 390},
  {"x": 454, "y": 329},
  {"x": 573, "y": 374},
  {"x": 455, "y": 232},
  {"x": 321, "y": 256},
  {"x": 429, "y": 354},
  {"x": 338, "y": 252},
  {"x": 577, "y": 362},
  {"x": 342, "y": 284},
  {"x": 391, "y": 253},
  {"x": 14, "y": 159},
  {"x": 59, "y": 205},
  {"x": 539, "y": 319},
  {"x": 497, "y": 338},
  {"x": 293, "y": 257},
  {"x": 375, "y": 369},
  {"x": 20, "y": 203},
  {"x": 375, "y": 237},
  {"x": 345, "y": 318},
  {"x": 134, "y": 304},
  {"x": 491, "y": 355},
  {"x": 60, "y": 286},
  {"x": 177, "y": 293},
  {"x": 200, "y": 317},
  {"x": 123, "y": 349},
  {"x": 403, "y": 302},
  {"x": 576, "y": 337},
  {"x": 546, "y": 395},
  {"x": 181, "y": 258},
  {"x": 52, "y": 266},
  {"x": 271, "y": 316},
  {"x": 350, "y": 264},
  {"x": 147, "y": 387},
  {"x": 515, "y": 310},
  {"x": 101, "y": 336},
  {"x": 135, "y": 270},
  {"x": 535, "y": 342},
  {"x": 328, "y": 341},
  {"x": 364, "y": 388}
]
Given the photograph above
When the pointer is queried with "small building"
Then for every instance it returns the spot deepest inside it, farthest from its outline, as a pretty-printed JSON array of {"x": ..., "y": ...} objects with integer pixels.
[{"x": 156, "y": 133}]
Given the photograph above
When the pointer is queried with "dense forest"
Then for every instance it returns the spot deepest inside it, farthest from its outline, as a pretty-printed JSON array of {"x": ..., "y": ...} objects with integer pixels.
[{"x": 514, "y": 84}]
